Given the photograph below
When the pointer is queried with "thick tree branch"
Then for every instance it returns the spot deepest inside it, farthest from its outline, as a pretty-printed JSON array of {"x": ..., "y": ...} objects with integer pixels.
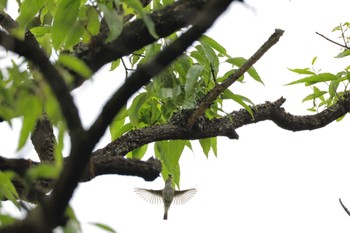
[
  {"x": 220, "y": 88},
  {"x": 109, "y": 160}
]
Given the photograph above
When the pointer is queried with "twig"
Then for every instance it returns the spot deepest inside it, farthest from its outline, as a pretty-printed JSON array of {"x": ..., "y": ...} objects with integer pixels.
[
  {"x": 344, "y": 207},
  {"x": 218, "y": 89},
  {"x": 334, "y": 42}
]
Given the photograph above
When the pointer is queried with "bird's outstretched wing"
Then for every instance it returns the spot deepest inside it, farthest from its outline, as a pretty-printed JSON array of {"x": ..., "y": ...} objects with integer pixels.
[
  {"x": 183, "y": 196},
  {"x": 152, "y": 196}
]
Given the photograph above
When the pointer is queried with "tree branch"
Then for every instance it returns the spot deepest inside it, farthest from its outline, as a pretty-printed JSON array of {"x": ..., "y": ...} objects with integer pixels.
[
  {"x": 52, "y": 210},
  {"x": 344, "y": 207},
  {"x": 334, "y": 42},
  {"x": 220, "y": 88}
]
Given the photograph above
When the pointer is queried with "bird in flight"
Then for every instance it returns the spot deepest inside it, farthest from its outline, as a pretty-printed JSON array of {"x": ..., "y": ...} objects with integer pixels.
[{"x": 167, "y": 195}]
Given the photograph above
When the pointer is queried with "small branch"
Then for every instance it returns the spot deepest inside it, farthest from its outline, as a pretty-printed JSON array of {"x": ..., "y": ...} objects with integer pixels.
[
  {"x": 334, "y": 42},
  {"x": 344, "y": 207},
  {"x": 219, "y": 89}
]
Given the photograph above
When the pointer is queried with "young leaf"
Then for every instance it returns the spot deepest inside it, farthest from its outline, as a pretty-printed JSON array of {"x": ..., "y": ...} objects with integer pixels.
[
  {"x": 302, "y": 71},
  {"x": 65, "y": 16},
  {"x": 323, "y": 77},
  {"x": 103, "y": 227}
]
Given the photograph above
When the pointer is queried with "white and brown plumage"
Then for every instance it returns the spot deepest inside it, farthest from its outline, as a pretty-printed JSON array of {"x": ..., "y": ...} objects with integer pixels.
[{"x": 168, "y": 195}]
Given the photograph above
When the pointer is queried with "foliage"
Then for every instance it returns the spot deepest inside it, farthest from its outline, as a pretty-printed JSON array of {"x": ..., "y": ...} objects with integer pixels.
[{"x": 326, "y": 88}]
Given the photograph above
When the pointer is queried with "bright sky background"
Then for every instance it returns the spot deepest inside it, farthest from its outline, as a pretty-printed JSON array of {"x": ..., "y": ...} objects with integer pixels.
[{"x": 270, "y": 180}]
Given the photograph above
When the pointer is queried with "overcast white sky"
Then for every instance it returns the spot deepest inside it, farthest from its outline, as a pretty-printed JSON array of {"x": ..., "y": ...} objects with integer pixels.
[{"x": 270, "y": 180}]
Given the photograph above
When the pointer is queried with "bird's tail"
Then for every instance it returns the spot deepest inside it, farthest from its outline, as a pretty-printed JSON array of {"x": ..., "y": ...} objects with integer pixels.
[{"x": 165, "y": 217}]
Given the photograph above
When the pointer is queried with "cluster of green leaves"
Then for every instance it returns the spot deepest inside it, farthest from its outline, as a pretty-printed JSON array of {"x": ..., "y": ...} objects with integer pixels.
[
  {"x": 180, "y": 86},
  {"x": 326, "y": 88}
]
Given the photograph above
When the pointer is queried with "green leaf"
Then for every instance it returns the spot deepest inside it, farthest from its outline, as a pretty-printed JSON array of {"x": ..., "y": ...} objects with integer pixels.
[
  {"x": 90, "y": 18},
  {"x": 313, "y": 60},
  {"x": 214, "y": 145},
  {"x": 169, "y": 152},
  {"x": 115, "y": 64},
  {"x": 302, "y": 71},
  {"x": 345, "y": 53},
  {"x": 240, "y": 100},
  {"x": 314, "y": 96},
  {"x": 135, "y": 107},
  {"x": 7, "y": 189},
  {"x": 44, "y": 170},
  {"x": 28, "y": 10},
  {"x": 74, "y": 35},
  {"x": 31, "y": 108},
  {"x": 206, "y": 145},
  {"x": 215, "y": 45},
  {"x": 113, "y": 20},
  {"x": 103, "y": 227},
  {"x": 3, "y": 4},
  {"x": 192, "y": 78},
  {"x": 139, "y": 152},
  {"x": 323, "y": 77},
  {"x": 239, "y": 61},
  {"x": 137, "y": 7},
  {"x": 65, "y": 16},
  {"x": 118, "y": 126},
  {"x": 75, "y": 64},
  {"x": 226, "y": 75},
  {"x": 6, "y": 220}
]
